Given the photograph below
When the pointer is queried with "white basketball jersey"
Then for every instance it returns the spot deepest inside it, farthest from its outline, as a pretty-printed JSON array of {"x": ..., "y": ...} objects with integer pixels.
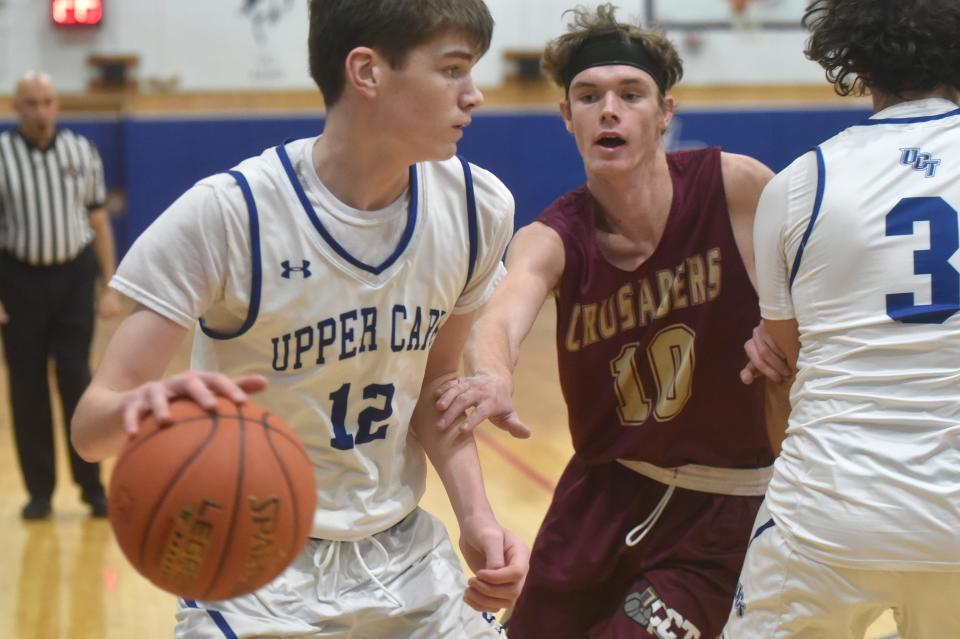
[
  {"x": 343, "y": 343},
  {"x": 870, "y": 472}
]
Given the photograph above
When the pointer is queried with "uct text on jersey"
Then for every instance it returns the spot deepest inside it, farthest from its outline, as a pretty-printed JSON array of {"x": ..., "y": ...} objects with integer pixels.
[
  {"x": 355, "y": 332},
  {"x": 694, "y": 281}
]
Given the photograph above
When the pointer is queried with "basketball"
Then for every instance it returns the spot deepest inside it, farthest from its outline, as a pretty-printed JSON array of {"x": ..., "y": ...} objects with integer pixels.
[{"x": 215, "y": 504}]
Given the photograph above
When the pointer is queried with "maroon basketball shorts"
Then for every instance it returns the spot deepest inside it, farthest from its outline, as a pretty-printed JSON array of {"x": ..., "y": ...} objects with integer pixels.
[{"x": 678, "y": 582}]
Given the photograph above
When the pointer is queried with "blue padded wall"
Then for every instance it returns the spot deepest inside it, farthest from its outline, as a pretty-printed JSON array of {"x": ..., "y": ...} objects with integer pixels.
[
  {"x": 155, "y": 159},
  {"x": 165, "y": 157}
]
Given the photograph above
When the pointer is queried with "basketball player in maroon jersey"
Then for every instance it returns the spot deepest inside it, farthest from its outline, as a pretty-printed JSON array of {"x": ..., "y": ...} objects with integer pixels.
[{"x": 651, "y": 264}]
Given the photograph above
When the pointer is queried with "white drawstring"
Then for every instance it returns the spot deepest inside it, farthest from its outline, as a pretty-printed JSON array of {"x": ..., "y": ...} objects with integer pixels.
[
  {"x": 331, "y": 556},
  {"x": 332, "y": 547},
  {"x": 636, "y": 535},
  {"x": 386, "y": 591}
]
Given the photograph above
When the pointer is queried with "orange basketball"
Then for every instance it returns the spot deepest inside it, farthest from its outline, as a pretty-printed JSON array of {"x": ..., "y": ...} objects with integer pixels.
[{"x": 215, "y": 504}]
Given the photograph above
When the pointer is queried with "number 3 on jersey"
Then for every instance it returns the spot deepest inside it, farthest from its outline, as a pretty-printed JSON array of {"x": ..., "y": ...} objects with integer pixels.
[
  {"x": 671, "y": 359},
  {"x": 342, "y": 440},
  {"x": 944, "y": 241}
]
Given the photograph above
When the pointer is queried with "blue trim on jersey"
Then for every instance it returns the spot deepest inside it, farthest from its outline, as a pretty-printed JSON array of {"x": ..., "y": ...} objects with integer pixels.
[
  {"x": 342, "y": 252},
  {"x": 257, "y": 277},
  {"x": 471, "y": 219},
  {"x": 821, "y": 179},
  {"x": 217, "y": 617},
  {"x": 762, "y": 529},
  {"x": 919, "y": 118}
]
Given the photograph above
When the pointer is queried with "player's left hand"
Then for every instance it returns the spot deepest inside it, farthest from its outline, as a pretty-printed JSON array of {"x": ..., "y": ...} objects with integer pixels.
[
  {"x": 766, "y": 360},
  {"x": 499, "y": 560},
  {"x": 108, "y": 306},
  {"x": 489, "y": 397}
]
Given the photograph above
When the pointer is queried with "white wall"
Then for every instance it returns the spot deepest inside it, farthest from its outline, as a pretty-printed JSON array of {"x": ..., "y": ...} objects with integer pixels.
[
  {"x": 209, "y": 44},
  {"x": 214, "y": 45},
  {"x": 747, "y": 57}
]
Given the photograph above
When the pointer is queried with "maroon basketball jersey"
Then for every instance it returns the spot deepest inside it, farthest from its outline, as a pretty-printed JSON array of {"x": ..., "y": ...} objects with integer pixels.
[{"x": 650, "y": 359}]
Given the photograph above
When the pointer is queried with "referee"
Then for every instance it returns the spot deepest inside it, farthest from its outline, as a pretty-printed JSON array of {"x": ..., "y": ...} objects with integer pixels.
[{"x": 55, "y": 239}]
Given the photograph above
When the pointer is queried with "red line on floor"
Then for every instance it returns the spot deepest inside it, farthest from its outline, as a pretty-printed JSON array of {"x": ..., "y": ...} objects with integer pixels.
[{"x": 525, "y": 469}]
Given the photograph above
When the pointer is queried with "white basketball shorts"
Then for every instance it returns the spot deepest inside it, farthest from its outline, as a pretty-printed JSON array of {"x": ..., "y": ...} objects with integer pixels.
[
  {"x": 783, "y": 594},
  {"x": 403, "y": 583}
]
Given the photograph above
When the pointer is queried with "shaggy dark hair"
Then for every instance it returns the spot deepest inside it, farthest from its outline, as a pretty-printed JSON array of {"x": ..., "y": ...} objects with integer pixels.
[
  {"x": 589, "y": 23},
  {"x": 892, "y": 46},
  {"x": 392, "y": 27}
]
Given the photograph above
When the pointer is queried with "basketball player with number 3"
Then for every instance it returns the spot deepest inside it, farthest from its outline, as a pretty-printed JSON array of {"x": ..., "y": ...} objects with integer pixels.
[
  {"x": 338, "y": 277},
  {"x": 857, "y": 269},
  {"x": 651, "y": 266}
]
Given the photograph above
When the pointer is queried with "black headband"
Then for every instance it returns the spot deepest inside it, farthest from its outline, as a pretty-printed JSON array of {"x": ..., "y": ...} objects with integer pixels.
[{"x": 609, "y": 49}]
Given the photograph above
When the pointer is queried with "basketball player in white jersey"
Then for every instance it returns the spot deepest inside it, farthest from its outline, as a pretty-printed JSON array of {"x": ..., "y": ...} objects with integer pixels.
[
  {"x": 338, "y": 276},
  {"x": 856, "y": 246}
]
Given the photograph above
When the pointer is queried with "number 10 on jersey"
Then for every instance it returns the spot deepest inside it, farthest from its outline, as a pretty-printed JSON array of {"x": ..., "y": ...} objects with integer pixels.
[{"x": 671, "y": 360}]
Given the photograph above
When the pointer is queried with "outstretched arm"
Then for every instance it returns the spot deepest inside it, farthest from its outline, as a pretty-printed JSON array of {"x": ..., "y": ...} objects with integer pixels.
[
  {"x": 498, "y": 558},
  {"x": 534, "y": 265},
  {"x": 127, "y": 385}
]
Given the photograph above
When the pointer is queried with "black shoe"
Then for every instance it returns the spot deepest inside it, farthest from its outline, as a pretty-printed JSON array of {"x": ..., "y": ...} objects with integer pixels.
[
  {"x": 98, "y": 504},
  {"x": 36, "y": 508}
]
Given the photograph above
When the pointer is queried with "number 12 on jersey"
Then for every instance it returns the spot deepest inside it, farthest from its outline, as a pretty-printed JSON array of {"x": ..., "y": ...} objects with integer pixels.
[{"x": 342, "y": 440}]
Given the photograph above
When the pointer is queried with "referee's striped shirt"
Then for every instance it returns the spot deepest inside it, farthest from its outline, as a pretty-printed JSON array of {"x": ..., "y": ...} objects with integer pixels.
[{"x": 45, "y": 195}]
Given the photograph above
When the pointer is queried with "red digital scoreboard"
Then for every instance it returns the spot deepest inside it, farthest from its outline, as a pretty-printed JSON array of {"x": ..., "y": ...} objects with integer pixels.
[{"x": 70, "y": 13}]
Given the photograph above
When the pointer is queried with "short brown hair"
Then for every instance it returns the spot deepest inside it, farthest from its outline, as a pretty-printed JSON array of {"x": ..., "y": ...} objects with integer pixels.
[
  {"x": 589, "y": 23},
  {"x": 392, "y": 27}
]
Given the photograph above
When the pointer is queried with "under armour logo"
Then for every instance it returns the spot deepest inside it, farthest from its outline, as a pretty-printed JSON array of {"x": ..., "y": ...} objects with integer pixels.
[
  {"x": 287, "y": 269},
  {"x": 919, "y": 161}
]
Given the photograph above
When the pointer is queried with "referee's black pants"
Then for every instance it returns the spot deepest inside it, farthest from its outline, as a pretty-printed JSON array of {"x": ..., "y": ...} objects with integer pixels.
[{"x": 51, "y": 310}]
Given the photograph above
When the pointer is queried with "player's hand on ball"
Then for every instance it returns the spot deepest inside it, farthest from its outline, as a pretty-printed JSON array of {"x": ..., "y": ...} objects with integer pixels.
[
  {"x": 153, "y": 398},
  {"x": 499, "y": 560},
  {"x": 490, "y": 397}
]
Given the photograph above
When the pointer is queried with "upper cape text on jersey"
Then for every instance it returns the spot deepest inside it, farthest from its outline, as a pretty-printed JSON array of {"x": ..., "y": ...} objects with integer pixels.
[{"x": 354, "y": 332}]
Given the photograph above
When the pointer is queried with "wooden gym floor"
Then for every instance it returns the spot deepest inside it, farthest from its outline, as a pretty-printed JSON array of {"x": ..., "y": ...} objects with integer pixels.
[{"x": 65, "y": 578}]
